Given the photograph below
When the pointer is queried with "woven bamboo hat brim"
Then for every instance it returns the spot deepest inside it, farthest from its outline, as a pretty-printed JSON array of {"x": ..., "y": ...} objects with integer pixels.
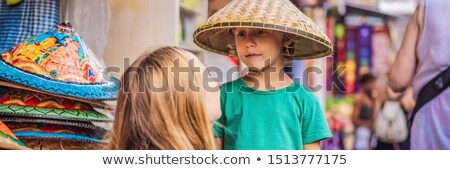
[{"x": 279, "y": 15}]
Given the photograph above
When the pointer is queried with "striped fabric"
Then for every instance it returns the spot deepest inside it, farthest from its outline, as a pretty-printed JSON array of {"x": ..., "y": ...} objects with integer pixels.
[{"x": 25, "y": 20}]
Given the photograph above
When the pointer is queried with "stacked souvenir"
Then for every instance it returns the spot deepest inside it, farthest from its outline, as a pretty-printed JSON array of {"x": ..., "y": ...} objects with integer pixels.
[
  {"x": 50, "y": 85},
  {"x": 8, "y": 140}
]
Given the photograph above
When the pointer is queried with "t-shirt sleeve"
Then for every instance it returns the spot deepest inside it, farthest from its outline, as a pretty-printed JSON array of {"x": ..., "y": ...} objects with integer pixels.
[
  {"x": 219, "y": 125},
  {"x": 314, "y": 123}
]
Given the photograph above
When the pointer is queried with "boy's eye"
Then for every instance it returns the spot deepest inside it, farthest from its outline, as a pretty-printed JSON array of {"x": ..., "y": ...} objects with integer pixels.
[
  {"x": 240, "y": 34},
  {"x": 260, "y": 32}
]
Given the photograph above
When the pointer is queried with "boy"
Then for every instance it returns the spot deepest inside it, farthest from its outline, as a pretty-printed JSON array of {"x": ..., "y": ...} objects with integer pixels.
[{"x": 266, "y": 109}]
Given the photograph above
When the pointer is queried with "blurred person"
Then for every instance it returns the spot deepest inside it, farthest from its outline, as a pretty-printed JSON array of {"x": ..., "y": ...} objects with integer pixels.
[
  {"x": 423, "y": 61},
  {"x": 363, "y": 112}
]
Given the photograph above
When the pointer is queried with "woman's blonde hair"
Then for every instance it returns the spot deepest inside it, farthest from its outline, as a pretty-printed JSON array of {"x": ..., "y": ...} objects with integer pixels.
[{"x": 153, "y": 113}]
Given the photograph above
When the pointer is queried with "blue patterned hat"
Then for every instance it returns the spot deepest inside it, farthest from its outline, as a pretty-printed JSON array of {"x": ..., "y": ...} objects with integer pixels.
[{"x": 60, "y": 63}]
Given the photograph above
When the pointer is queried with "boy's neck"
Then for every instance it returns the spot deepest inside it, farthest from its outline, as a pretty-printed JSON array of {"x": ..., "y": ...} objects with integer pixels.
[{"x": 272, "y": 78}]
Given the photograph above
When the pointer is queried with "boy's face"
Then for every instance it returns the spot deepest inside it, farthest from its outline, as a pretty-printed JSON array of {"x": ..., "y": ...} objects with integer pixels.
[{"x": 256, "y": 47}]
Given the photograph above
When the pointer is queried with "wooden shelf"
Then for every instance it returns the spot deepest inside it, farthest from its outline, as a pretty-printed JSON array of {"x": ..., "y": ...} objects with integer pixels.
[
  {"x": 192, "y": 13},
  {"x": 190, "y": 47},
  {"x": 350, "y": 8},
  {"x": 189, "y": 10}
]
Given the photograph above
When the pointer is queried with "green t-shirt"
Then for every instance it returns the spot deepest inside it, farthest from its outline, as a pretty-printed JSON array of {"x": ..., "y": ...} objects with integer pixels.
[{"x": 282, "y": 119}]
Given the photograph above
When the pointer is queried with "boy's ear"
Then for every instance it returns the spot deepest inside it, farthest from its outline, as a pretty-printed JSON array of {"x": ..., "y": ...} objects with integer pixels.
[
  {"x": 231, "y": 31},
  {"x": 287, "y": 41}
]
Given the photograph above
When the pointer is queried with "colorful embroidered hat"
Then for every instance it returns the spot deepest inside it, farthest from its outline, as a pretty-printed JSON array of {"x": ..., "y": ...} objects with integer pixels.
[
  {"x": 52, "y": 131},
  {"x": 73, "y": 127},
  {"x": 95, "y": 103},
  {"x": 56, "y": 137},
  {"x": 279, "y": 15},
  {"x": 58, "y": 144},
  {"x": 21, "y": 103},
  {"x": 58, "y": 62},
  {"x": 8, "y": 140}
]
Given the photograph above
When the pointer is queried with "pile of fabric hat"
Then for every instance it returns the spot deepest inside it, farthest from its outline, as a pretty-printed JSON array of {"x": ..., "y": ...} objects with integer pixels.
[
  {"x": 49, "y": 86},
  {"x": 8, "y": 140}
]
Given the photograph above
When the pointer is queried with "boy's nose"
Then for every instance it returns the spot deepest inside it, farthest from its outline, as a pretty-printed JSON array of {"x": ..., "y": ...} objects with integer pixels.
[{"x": 249, "y": 43}]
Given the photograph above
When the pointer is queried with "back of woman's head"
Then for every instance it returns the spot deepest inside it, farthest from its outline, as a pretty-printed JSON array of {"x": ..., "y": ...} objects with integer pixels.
[{"x": 157, "y": 106}]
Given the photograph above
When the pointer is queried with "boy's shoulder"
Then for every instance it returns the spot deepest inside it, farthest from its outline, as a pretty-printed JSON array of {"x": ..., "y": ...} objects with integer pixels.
[
  {"x": 302, "y": 91},
  {"x": 235, "y": 84},
  {"x": 230, "y": 83}
]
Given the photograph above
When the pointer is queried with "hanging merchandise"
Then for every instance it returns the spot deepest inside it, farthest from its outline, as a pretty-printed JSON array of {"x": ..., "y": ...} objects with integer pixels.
[
  {"x": 350, "y": 61},
  {"x": 83, "y": 14},
  {"x": 364, "y": 49},
  {"x": 57, "y": 62},
  {"x": 340, "y": 56},
  {"x": 25, "y": 20}
]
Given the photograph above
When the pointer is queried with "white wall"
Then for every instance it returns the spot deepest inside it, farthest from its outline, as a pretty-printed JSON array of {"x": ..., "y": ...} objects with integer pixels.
[{"x": 137, "y": 25}]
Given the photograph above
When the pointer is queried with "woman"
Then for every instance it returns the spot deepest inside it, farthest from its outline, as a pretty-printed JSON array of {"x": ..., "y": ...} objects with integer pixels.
[{"x": 162, "y": 104}]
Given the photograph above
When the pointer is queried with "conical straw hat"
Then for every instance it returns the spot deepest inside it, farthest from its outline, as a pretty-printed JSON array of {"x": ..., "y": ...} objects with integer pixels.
[{"x": 279, "y": 15}]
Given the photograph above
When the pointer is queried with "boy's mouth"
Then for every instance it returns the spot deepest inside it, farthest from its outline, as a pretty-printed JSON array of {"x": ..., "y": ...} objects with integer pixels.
[{"x": 252, "y": 55}]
